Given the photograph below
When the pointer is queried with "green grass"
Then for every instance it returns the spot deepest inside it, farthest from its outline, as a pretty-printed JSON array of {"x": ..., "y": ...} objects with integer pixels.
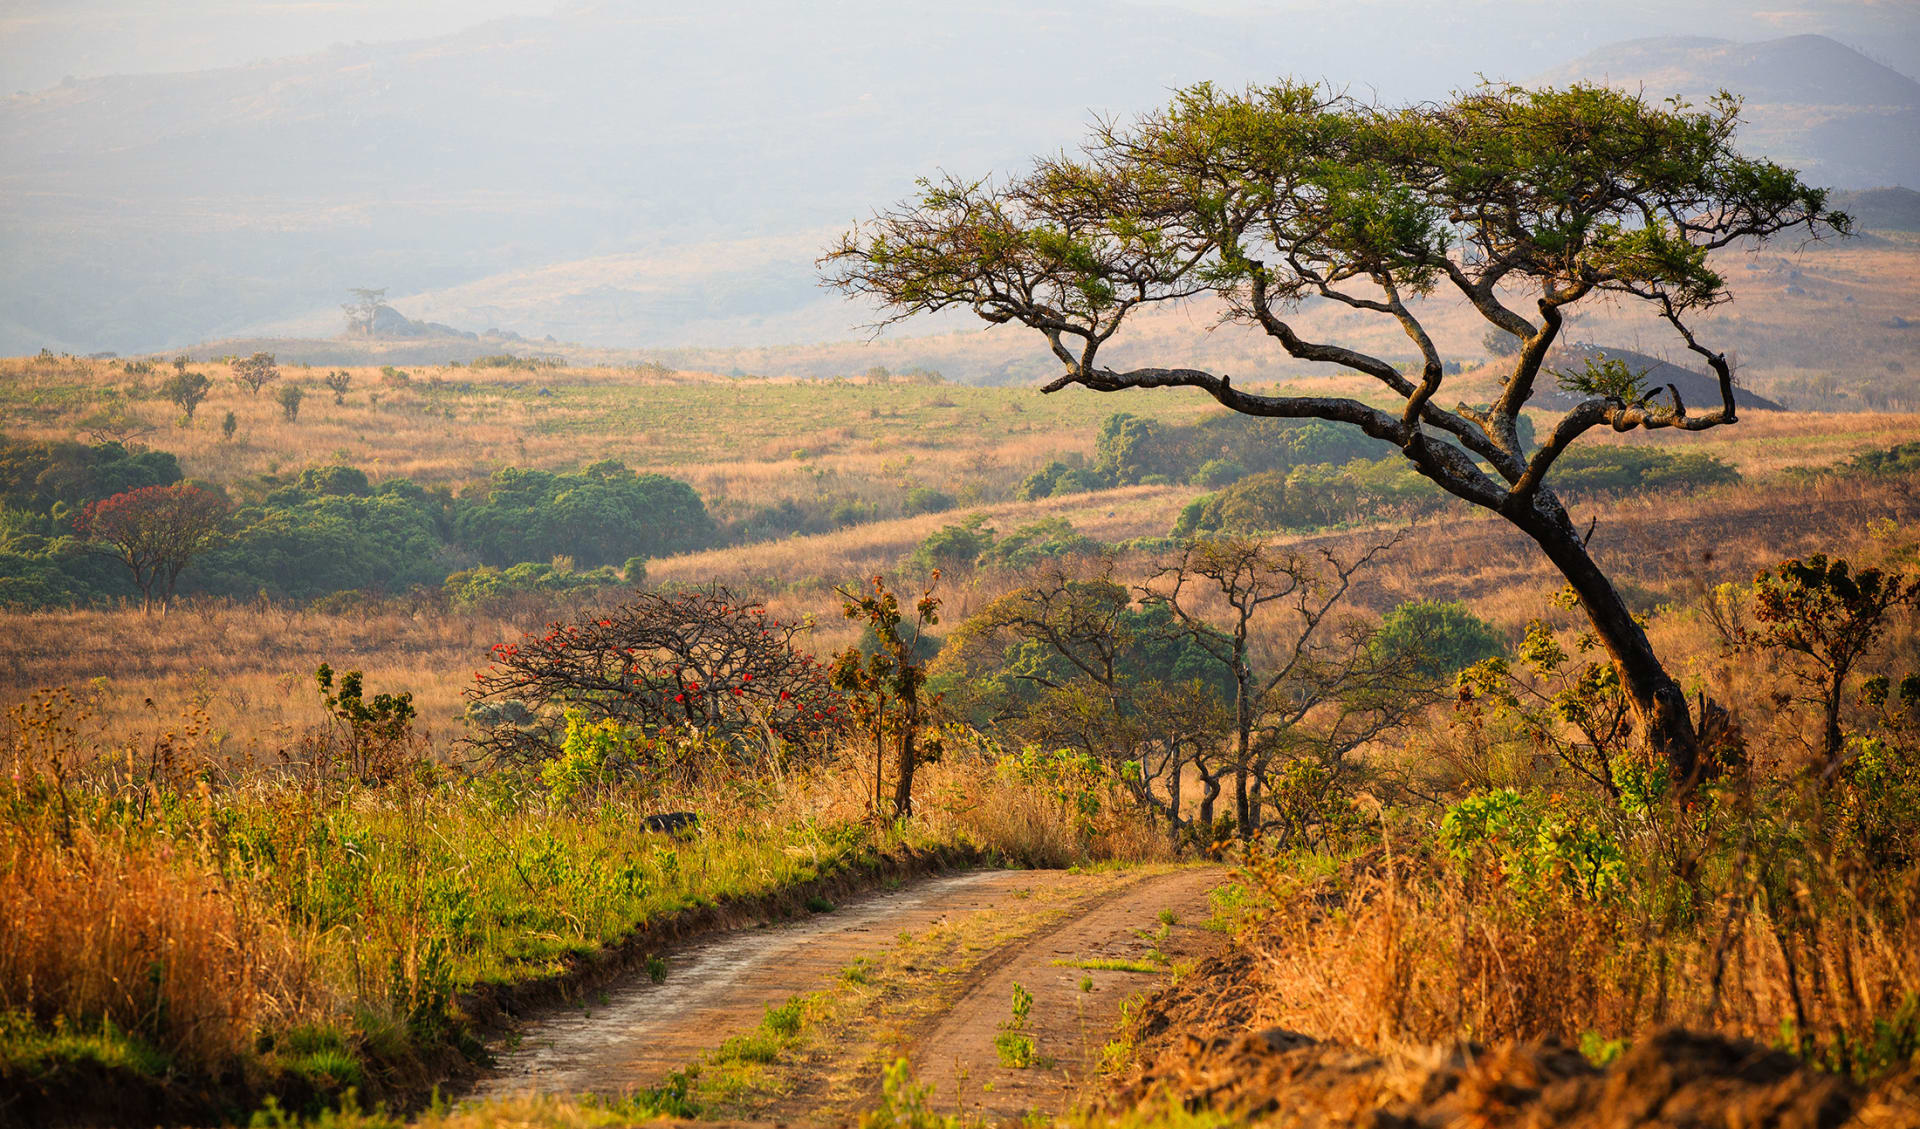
[{"x": 1109, "y": 964}]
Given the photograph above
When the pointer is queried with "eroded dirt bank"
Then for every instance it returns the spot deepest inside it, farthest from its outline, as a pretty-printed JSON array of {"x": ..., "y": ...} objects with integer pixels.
[{"x": 1200, "y": 1052}]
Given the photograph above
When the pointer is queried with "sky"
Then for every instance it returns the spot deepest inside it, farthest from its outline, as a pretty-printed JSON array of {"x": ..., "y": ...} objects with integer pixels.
[{"x": 43, "y": 41}]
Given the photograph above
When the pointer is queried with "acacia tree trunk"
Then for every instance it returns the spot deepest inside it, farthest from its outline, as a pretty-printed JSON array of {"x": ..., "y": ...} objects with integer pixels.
[{"x": 1659, "y": 704}]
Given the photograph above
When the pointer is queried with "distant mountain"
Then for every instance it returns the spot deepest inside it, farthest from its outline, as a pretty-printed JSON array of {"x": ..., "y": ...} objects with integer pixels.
[
  {"x": 1881, "y": 209},
  {"x": 647, "y": 177},
  {"x": 1698, "y": 391},
  {"x": 1811, "y": 103}
]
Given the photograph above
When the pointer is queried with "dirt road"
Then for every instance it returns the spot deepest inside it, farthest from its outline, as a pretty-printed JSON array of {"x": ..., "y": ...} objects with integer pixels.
[{"x": 1035, "y": 928}]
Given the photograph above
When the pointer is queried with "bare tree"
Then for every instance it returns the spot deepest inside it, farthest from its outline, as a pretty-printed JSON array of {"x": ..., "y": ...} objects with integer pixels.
[
  {"x": 116, "y": 423},
  {"x": 1267, "y": 198},
  {"x": 338, "y": 381},
  {"x": 1304, "y": 682}
]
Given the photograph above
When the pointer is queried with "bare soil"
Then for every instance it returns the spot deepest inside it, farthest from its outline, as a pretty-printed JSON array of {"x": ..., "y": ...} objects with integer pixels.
[{"x": 1068, "y": 1024}]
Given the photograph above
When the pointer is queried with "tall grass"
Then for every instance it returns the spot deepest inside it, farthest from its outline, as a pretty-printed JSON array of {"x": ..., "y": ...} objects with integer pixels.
[{"x": 278, "y": 920}]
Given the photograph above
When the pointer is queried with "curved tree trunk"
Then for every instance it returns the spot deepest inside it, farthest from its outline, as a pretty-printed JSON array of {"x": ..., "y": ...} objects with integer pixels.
[{"x": 1659, "y": 704}]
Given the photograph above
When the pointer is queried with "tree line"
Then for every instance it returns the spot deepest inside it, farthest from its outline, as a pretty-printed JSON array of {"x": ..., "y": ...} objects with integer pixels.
[{"x": 88, "y": 523}]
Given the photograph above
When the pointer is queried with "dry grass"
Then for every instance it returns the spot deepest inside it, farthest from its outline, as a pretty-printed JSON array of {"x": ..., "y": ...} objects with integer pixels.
[
  {"x": 147, "y": 937},
  {"x": 1419, "y": 954}
]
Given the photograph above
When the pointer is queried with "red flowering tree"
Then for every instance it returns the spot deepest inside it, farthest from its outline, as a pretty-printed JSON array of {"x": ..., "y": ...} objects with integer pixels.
[
  {"x": 706, "y": 661},
  {"x": 155, "y": 531}
]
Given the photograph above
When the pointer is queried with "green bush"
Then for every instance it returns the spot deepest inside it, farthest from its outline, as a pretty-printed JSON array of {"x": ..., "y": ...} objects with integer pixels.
[
  {"x": 601, "y": 515},
  {"x": 487, "y": 586},
  {"x": 927, "y": 500},
  {"x": 953, "y": 546},
  {"x": 1443, "y": 636},
  {"x": 1594, "y": 469}
]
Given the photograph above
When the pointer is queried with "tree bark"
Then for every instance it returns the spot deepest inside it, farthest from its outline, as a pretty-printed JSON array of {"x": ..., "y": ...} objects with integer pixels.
[
  {"x": 1659, "y": 704},
  {"x": 903, "y": 786}
]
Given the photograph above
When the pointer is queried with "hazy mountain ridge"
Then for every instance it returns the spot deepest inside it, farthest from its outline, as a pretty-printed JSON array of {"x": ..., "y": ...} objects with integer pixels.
[{"x": 623, "y": 178}]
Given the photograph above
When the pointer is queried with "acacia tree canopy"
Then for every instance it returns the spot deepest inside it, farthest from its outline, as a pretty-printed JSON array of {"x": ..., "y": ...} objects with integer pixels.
[{"x": 1519, "y": 203}]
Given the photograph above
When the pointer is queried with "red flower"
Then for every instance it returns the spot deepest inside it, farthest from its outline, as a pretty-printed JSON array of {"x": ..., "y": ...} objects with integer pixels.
[
  {"x": 679, "y": 697},
  {"x": 606, "y": 623},
  {"x": 784, "y": 695}
]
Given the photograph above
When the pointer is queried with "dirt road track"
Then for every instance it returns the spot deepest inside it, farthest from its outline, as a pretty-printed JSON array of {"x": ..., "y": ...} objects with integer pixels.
[
  {"x": 1074, "y": 1008},
  {"x": 640, "y": 1032}
]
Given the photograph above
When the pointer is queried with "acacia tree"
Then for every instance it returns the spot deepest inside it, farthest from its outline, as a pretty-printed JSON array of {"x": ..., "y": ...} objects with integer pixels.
[
  {"x": 155, "y": 532},
  {"x": 364, "y": 310},
  {"x": 1501, "y": 197}
]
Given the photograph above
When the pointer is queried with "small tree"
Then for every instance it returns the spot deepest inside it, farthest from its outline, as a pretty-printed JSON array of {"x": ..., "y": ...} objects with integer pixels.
[
  {"x": 883, "y": 687},
  {"x": 228, "y": 426},
  {"x": 255, "y": 372},
  {"x": 1833, "y": 616},
  {"x": 339, "y": 381},
  {"x": 289, "y": 396},
  {"x": 181, "y": 362},
  {"x": 116, "y": 423},
  {"x": 1305, "y": 686},
  {"x": 155, "y": 531},
  {"x": 187, "y": 389},
  {"x": 372, "y": 739}
]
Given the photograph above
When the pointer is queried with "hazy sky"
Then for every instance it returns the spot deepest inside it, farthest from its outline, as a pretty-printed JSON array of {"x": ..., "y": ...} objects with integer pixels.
[
  {"x": 46, "y": 40},
  {"x": 42, "y": 41}
]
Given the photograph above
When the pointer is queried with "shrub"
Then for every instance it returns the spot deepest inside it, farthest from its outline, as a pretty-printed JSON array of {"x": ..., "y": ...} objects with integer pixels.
[
  {"x": 1444, "y": 634},
  {"x": 1039, "y": 542},
  {"x": 1615, "y": 469},
  {"x": 927, "y": 500},
  {"x": 706, "y": 662},
  {"x": 953, "y": 547},
  {"x": 1215, "y": 473},
  {"x": 488, "y": 587}
]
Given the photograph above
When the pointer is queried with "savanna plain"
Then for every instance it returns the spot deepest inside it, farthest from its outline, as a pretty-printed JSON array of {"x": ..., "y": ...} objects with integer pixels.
[{"x": 328, "y": 824}]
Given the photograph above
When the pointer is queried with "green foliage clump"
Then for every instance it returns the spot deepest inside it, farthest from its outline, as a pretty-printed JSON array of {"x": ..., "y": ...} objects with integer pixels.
[
  {"x": 1535, "y": 842},
  {"x": 1443, "y": 634},
  {"x": 927, "y": 500},
  {"x": 1594, "y": 469},
  {"x": 486, "y": 586},
  {"x": 601, "y": 515},
  {"x": 1310, "y": 496},
  {"x": 953, "y": 547}
]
